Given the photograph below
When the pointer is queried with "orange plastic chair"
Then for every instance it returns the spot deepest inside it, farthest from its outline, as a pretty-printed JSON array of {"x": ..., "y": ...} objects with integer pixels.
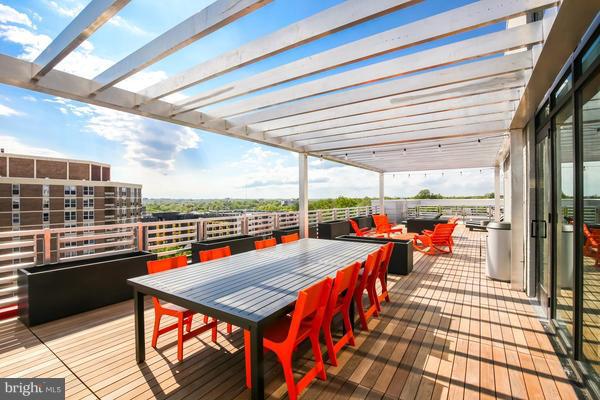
[
  {"x": 453, "y": 220},
  {"x": 591, "y": 248},
  {"x": 339, "y": 303},
  {"x": 382, "y": 225},
  {"x": 215, "y": 254},
  {"x": 263, "y": 244},
  {"x": 183, "y": 315},
  {"x": 290, "y": 238},
  {"x": 358, "y": 230},
  {"x": 431, "y": 242},
  {"x": 384, "y": 263},
  {"x": 285, "y": 335},
  {"x": 366, "y": 281}
]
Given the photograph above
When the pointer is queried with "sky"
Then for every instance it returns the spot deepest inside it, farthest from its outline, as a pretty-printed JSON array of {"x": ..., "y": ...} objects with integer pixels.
[{"x": 172, "y": 161}]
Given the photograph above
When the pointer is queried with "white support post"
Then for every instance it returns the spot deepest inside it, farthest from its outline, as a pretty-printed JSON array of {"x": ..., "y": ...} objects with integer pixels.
[
  {"x": 497, "y": 193},
  {"x": 517, "y": 205},
  {"x": 303, "y": 195},
  {"x": 381, "y": 193}
]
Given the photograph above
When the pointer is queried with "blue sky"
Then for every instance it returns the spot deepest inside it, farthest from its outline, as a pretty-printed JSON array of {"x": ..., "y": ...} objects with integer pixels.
[{"x": 177, "y": 162}]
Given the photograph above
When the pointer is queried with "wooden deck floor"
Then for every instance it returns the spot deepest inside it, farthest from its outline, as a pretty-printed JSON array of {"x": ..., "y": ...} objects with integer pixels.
[{"x": 448, "y": 333}]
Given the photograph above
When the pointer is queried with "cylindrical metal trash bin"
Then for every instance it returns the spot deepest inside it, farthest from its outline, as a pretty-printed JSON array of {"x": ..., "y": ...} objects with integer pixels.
[
  {"x": 498, "y": 251},
  {"x": 565, "y": 267}
]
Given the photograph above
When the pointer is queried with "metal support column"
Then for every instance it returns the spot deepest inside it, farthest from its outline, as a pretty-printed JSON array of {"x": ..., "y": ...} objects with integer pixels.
[
  {"x": 517, "y": 205},
  {"x": 381, "y": 193},
  {"x": 303, "y": 195}
]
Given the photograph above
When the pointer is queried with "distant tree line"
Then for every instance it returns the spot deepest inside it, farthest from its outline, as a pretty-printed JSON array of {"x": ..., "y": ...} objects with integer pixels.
[{"x": 201, "y": 205}]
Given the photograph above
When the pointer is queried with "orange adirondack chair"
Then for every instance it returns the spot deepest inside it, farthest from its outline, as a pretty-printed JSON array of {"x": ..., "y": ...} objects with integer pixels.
[
  {"x": 358, "y": 230},
  {"x": 591, "y": 248},
  {"x": 382, "y": 225},
  {"x": 432, "y": 242}
]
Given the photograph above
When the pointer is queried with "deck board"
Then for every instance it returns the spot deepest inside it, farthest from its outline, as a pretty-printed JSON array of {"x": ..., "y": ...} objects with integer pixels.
[{"x": 449, "y": 333}]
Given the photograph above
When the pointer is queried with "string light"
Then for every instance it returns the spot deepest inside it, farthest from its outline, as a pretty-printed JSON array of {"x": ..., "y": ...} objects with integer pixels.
[
  {"x": 478, "y": 142},
  {"x": 404, "y": 152},
  {"x": 346, "y": 156},
  {"x": 439, "y": 148},
  {"x": 373, "y": 155}
]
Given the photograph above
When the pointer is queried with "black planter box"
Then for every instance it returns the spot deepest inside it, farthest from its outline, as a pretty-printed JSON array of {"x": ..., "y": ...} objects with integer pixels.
[
  {"x": 364, "y": 222},
  {"x": 418, "y": 225},
  {"x": 333, "y": 229},
  {"x": 237, "y": 244},
  {"x": 401, "y": 262},
  {"x": 53, "y": 291},
  {"x": 278, "y": 233}
]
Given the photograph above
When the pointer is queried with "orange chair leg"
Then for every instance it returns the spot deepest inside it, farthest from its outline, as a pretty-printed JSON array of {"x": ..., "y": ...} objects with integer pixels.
[
  {"x": 361, "y": 312},
  {"x": 214, "y": 330},
  {"x": 229, "y": 328},
  {"x": 180, "y": 338},
  {"x": 157, "y": 318},
  {"x": 319, "y": 364},
  {"x": 206, "y": 319},
  {"x": 329, "y": 342},
  {"x": 248, "y": 362},
  {"x": 188, "y": 324},
  {"x": 286, "y": 364}
]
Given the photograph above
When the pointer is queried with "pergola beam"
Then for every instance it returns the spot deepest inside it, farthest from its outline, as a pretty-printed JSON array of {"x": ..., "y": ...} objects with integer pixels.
[
  {"x": 208, "y": 20},
  {"x": 394, "y": 138},
  {"x": 92, "y": 17},
  {"x": 450, "y": 116},
  {"x": 315, "y": 109},
  {"x": 439, "y": 93},
  {"x": 480, "y": 46},
  {"x": 437, "y": 26},
  {"x": 396, "y": 113},
  {"x": 331, "y": 20}
]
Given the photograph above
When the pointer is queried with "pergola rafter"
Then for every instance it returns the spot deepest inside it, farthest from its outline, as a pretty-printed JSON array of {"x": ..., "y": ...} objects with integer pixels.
[{"x": 461, "y": 90}]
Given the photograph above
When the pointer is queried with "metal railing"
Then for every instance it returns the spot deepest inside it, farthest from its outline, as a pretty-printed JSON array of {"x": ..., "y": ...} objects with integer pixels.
[{"x": 22, "y": 249}]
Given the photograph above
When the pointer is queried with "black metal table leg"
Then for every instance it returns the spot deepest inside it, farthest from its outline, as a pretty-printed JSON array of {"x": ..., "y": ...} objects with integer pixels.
[
  {"x": 140, "y": 345},
  {"x": 257, "y": 361}
]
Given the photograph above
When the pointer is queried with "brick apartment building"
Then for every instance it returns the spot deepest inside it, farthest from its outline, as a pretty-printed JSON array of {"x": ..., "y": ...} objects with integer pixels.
[{"x": 43, "y": 192}]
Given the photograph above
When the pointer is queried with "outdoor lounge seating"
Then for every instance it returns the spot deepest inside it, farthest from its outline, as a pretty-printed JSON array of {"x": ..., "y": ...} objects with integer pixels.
[
  {"x": 290, "y": 238},
  {"x": 339, "y": 303},
  {"x": 366, "y": 281},
  {"x": 591, "y": 248},
  {"x": 184, "y": 317},
  {"x": 433, "y": 242},
  {"x": 383, "y": 225},
  {"x": 285, "y": 335},
  {"x": 358, "y": 231},
  {"x": 215, "y": 254},
  {"x": 263, "y": 244}
]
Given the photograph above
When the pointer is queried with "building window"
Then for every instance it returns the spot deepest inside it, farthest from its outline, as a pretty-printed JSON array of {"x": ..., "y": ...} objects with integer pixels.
[
  {"x": 16, "y": 204},
  {"x": 45, "y": 217},
  {"x": 88, "y": 190},
  {"x": 46, "y": 204},
  {"x": 16, "y": 189},
  {"x": 70, "y": 216},
  {"x": 88, "y": 203},
  {"x": 70, "y": 203},
  {"x": 88, "y": 215},
  {"x": 16, "y": 218},
  {"x": 45, "y": 191},
  {"x": 70, "y": 191}
]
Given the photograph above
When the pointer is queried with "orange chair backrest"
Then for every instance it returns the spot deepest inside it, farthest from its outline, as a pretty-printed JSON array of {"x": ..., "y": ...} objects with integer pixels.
[
  {"x": 355, "y": 227},
  {"x": 370, "y": 269},
  {"x": 290, "y": 238},
  {"x": 263, "y": 244},
  {"x": 166, "y": 264},
  {"x": 310, "y": 305},
  {"x": 345, "y": 280},
  {"x": 453, "y": 220},
  {"x": 385, "y": 257},
  {"x": 214, "y": 254},
  {"x": 381, "y": 220}
]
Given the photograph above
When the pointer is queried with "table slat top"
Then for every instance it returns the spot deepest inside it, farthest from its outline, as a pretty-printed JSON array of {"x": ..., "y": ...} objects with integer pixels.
[{"x": 256, "y": 284}]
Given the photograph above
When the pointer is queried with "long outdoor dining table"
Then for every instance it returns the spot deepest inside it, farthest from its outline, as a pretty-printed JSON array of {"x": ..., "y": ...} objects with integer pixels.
[{"x": 248, "y": 290}]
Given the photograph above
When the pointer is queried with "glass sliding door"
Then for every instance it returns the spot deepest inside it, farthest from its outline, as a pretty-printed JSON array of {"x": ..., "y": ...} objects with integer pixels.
[
  {"x": 543, "y": 218},
  {"x": 563, "y": 224},
  {"x": 590, "y": 130}
]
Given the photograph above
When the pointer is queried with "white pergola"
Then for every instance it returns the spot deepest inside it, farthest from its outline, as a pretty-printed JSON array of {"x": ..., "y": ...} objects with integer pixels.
[{"x": 389, "y": 116}]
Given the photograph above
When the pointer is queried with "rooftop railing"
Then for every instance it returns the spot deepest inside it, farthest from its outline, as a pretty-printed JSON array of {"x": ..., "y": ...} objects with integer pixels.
[{"x": 22, "y": 249}]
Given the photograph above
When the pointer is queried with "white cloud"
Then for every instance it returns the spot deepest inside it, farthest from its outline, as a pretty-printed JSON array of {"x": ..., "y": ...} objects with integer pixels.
[
  {"x": 11, "y": 16},
  {"x": 31, "y": 42},
  {"x": 11, "y": 144},
  {"x": 6, "y": 111},
  {"x": 151, "y": 144},
  {"x": 127, "y": 25},
  {"x": 64, "y": 9}
]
